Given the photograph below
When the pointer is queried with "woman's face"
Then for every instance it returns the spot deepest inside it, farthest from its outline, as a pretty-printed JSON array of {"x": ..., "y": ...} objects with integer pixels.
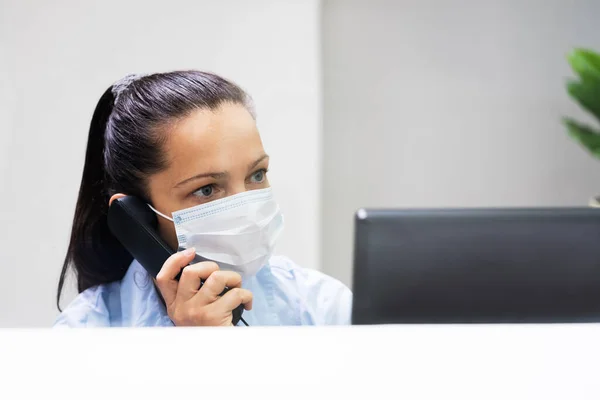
[{"x": 210, "y": 155}]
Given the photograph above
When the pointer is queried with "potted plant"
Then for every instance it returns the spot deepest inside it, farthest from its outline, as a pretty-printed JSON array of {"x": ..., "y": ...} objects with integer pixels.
[{"x": 585, "y": 90}]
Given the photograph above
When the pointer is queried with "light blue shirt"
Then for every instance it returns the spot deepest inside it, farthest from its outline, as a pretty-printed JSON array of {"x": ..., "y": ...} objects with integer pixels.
[{"x": 283, "y": 294}]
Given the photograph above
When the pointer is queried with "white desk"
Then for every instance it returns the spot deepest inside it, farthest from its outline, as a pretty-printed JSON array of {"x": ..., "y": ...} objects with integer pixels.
[{"x": 394, "y": 362}]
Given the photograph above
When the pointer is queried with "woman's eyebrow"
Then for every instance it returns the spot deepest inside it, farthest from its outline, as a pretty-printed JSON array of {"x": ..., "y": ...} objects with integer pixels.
[
  {"x": 214, "y": 175},
  {"x": 219, "y": 175},
  {"x": 253, "y": 165}
]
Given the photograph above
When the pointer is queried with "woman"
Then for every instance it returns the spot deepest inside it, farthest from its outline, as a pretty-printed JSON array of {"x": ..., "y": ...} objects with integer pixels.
[{"x": 186, "y": 143}]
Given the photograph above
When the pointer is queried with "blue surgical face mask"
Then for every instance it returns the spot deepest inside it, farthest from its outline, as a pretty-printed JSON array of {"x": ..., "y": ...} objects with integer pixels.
[{"x": 238, "y": 232}]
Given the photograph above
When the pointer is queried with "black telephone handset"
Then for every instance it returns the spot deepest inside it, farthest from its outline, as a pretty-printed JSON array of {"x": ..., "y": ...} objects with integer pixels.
[{"x": 134, "y": 224}]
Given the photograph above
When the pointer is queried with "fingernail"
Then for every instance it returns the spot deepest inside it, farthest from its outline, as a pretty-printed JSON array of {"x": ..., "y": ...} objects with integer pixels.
[{"x": 189, "y": 252}]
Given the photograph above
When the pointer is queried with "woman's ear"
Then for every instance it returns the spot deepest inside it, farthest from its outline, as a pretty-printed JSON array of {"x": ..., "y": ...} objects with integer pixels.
[{"x": 114, "y": 197}]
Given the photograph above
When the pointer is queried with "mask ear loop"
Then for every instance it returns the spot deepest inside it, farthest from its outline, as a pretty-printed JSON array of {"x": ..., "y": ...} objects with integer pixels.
[{"x": 159, "y": 213}]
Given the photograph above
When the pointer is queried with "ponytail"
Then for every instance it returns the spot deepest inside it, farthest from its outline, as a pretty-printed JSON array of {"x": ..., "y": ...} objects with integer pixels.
[{"x": 93, "y": 251}]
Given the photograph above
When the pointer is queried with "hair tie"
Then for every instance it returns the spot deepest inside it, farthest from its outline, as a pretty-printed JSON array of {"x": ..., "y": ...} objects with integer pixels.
[{"x": 119, "y": 86}]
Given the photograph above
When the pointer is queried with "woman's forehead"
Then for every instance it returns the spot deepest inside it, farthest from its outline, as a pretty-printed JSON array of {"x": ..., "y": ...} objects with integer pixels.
[{"x": 213, "y": 139}]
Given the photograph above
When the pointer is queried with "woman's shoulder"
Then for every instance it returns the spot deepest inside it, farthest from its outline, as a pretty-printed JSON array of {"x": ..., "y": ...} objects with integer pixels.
[
  {"x": 284, "y": 268},
  {"x": 90, "y": 308},
  {"x": 326, "y": 297},
  {"x": 132, "y": 301}
]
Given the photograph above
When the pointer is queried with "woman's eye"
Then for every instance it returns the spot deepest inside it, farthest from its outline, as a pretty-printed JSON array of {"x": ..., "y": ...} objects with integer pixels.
[
  {"x": 204, "y": 191},
  {"x": 258, "y": 176}
]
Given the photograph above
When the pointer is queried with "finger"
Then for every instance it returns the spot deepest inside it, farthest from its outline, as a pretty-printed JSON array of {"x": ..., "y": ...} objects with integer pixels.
[
  {"x": 216, "y": 283},
  {"x": 191, "y": 276},
  {"x": 233, "y": 298},
  {"x": 165, "y": 278}
]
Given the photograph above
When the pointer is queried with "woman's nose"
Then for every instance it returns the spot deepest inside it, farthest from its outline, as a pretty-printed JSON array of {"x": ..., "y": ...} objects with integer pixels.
[{"x": 237, "y": 188}]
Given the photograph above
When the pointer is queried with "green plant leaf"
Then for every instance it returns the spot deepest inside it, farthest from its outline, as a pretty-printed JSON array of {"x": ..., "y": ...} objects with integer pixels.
[
  {"x": 586, "y": 64},
  {"x": 585, "y": 135},
  {"x": 587, "y": 56},
  {"x": 587, "y": 94}
]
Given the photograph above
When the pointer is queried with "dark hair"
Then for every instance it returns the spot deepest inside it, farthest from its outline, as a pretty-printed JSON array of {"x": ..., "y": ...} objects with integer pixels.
[{"x": 124, "y": 148}]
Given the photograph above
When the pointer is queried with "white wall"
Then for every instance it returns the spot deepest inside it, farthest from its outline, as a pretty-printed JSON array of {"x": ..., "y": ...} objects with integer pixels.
[
  {"x": 448, "y": 103},
  {"x": 56, "y": 59}
]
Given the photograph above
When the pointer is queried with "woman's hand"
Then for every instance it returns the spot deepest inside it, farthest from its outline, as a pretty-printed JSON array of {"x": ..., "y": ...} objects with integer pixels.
[{"x": 188, "y": 306}]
